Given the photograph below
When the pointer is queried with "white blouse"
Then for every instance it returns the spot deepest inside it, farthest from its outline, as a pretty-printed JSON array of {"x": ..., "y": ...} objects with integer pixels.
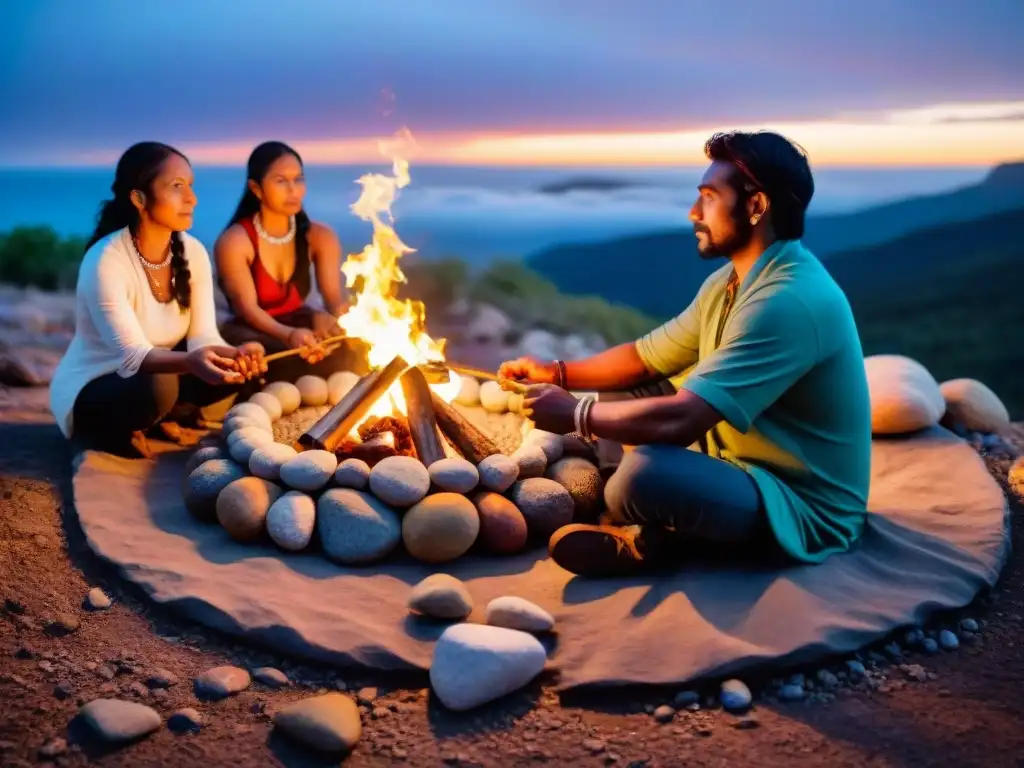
[{"x": 118, "y": 320}]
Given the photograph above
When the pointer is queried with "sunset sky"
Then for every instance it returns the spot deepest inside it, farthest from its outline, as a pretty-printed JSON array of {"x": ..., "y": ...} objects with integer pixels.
[{"x": 551, "y": 82}]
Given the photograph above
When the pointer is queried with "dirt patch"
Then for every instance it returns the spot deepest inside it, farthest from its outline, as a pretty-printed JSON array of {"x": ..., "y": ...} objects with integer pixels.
[{"x": 54, "y": 656}]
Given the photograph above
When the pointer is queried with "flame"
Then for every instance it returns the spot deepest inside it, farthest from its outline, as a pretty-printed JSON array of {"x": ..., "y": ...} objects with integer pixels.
[{"x": 389, "y": 326}]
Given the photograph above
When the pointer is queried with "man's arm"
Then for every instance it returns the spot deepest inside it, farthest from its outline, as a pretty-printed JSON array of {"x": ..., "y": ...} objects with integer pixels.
[
  {"x": 679, "y": 419},
  {"x": 620, "y": 367}
]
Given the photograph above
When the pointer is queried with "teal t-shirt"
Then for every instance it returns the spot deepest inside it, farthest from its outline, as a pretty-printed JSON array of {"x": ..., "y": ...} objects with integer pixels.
[{"x": 788, "y": 377}]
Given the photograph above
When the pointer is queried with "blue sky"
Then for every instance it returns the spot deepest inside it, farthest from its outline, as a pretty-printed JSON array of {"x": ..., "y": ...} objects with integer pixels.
[{"x": 84, "y": 76}]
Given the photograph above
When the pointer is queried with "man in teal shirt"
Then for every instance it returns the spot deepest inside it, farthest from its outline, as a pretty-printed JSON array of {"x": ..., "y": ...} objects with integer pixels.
[{"x": 763, "y": 371}]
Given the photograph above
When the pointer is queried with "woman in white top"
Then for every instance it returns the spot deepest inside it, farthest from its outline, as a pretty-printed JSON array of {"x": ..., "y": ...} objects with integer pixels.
[{"x": 146, "y": 338}]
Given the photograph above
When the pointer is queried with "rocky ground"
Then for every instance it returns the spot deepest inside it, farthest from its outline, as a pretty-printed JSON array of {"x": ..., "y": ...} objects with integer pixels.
[{"x": 909, "y": 701}]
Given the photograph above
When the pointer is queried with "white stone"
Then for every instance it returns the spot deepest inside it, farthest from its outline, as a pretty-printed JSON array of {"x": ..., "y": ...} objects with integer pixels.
[
  {"x": 290, "y": 521},
  {"x": 309, "y": 471},
  {"x": 355, "y": 527},
  {"x": 441, "y": 596},
  {"x": 313, "y": 389},
  {"x": 469, "y": 392},
  {"x": 548, "y": 442},
  {"x": 252, "y": 411},
  {"x": 904, "y": 395},
  {"x": 735, "y": 696},
  {"x": 266, "y": 461},
  {"x": 498, "y": 472},
  {"x": 352, "y": 473},
  {"x": 244, "y": 441},
  {"x": 400, "y": 481},
  {"x": 340, "y": 384},
  {"x": 475, "y": 663},
  {"x": 116, "y": 721},
  {"x": 287, "y": 393},
  {"x": 454, "y": 474},
  {"x": 531, "y": 461},
  {"x": 493, "y": 398},
  {"x": 235, "y": 423},
  {"x": 542, "y": 345},
  {"x": 268, "y": 403},
  {"x": 519, "y": 613},
  {"x": 974, "y": 405}
]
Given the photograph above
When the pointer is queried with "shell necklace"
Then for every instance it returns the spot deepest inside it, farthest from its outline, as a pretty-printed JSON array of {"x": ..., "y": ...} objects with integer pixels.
[
  {"x": 283, "y": 240},
  {"x": 149, "y": 265}
]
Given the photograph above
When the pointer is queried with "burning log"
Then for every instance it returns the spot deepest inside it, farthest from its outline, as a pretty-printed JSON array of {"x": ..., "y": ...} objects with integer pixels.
[
  {"x": 467, "y": 439},
  {"x": 335, "y": 425},
  {"x": 371, "y": 450},
  {"x": 422, "y": 421}
]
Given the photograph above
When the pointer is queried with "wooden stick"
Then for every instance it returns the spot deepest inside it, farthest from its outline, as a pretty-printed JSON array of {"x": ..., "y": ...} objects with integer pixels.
[
  {"x": 334, "y": 426},
  {"x": 467, "y": 439},
  {"x": 476, "y": 373},
  {"x": 420, "y": 413},
  {"x": 289, "y": 352}
]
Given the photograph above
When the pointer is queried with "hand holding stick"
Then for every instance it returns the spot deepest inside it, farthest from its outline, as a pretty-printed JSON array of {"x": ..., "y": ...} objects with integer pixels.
[{"x": 289, "y": 352}]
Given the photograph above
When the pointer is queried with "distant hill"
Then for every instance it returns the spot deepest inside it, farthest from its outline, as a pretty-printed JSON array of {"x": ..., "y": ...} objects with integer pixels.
[
  {"x": 585, "y": 184},
  {"x": 659, "y": 272}
]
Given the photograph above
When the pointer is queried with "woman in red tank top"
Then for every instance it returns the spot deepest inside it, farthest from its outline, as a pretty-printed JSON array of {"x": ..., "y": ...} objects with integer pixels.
[{"x": 263, "y": 268}]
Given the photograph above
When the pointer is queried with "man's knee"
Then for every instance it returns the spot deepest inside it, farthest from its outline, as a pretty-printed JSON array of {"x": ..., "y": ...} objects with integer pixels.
[
  {"x": 164, "y": 388},
  {"x": 639, "y": 483}
]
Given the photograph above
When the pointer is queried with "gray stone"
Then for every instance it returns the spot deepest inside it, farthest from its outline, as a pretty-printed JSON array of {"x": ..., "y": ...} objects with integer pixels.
[
  {"x": 356, "y": 527},
  {"x": 268, "y": 403},
  {"x": 236, "y": 423},
  {"x": 969, "y": 625},
  {"x": 828, "y": 680},
  {"x": 928, "y": 645},
  {"x": 475, "y": 663},
  {"x": 498, "y": 472},
  {"x": 97, "y": 600},
  {"x": 271, "y": 677},
  {"x": 204, "y": 454},
  {"x": 206, "y": 482},
  {"x": 116, "y": 721},
  {"x": 948, "y": 640},
  {"x": 161, "y": 678},
  {"x": 856, "y": 669},
  {"x": 185, "y": 720},
  {"x": 221, "y": 682},
  {"x": 328, "y": 723},
  {"x": 790, "y": 692},
  {"x": 454, "y": 474},
  {"x": 518, "y": 613},
  {"x": 251, "y": 411},
  {"x": 400, "y": 481},
  {"x": 353, "y": 473},
  {"x": 244, "y": 441},
  {"x": 685, "y": 699},
  {"x": 545, "y": 504},
  {"x": 54, "y": 747},
  {"x": 583, "y": 481},
  {"x": 664, "y": 713},
  {"x": 441, "y": 596},
  {"x": 291, "y": 520},
  {"x": 309, "y": 471},
  {"x": 266, "y": 461},
  {"x": 735, "y": 696},
  {"x": 548, "y": 442},
  {"x": 531, "y": 461}
]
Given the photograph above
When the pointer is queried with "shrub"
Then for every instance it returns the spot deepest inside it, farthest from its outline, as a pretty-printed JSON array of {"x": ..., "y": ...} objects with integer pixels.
[{"x": 39, "y": 257}]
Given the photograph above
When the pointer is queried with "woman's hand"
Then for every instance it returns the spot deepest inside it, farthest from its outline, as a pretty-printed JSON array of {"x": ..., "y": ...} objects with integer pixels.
[
  {"x": 325, "y": 325},
  {"x": 306, "y": 340},
  {"x": 249, "y": 359},
  {"x": 214, "y": 365},
  {"x": 529, "y": 371},
  {"x": 551, "y": 408}
]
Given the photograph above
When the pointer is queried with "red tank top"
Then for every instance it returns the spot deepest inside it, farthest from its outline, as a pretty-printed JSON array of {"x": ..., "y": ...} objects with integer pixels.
[{"x": 273, "y": 297}]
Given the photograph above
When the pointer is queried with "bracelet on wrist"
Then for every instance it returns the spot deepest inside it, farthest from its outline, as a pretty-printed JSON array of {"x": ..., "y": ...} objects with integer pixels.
[{"x": 561, "y": 377}]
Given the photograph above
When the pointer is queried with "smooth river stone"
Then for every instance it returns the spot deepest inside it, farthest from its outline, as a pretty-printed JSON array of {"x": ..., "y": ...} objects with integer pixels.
[
  {"x": 400, "y": 481},
  {"x": 476, "y": 663},
  {"x": 498, "y": 472},
  {"x": 244, "y": 441},
  {"x": 454, "y": 474},
  {"x": 352, "y": 473},
  {"x": 441, "y": 596},
  {"x": 267, "y": 460},
  {"x": 242, "y": 507},
  {"x": 904, "y": 395},
  {"x": 531, "y": 461},
  {"x": 251, "y": 411},
  {"x": 519, "y": 613},
  {"x": 204, "y": 454},
  {"x": 204, "y": 484},
  {"x": 236, "y": 423},
  {"x": 493, "y": 398},
  {"x": 339, "y": 384},
  {"x": 583, "y": 481},
  {"x": 309, "y": 471},
  {"x": 290, "y": 521},
  {"x": 313, "y": 390},
  {"x": 221, "y": 682},
  {"x": 469, "y": 391},
  {"x": 440, "y": 528},
  {"x": 116, "y": 721},
  {"x": 502, "y": 526},
  {"x": 548, "y": 442},
  {"x": 974, "y": 406},
  {"x": 545, "y": 504},
  {"x": 329, "y": 723},
  {"x": 268, "y": 403},
  {"x": 355, "y": 527},
  {"x": 288, "y": 395}
]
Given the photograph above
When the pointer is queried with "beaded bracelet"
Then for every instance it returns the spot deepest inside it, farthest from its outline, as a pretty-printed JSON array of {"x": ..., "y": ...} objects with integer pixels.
[{"x": 581, "y": 417}]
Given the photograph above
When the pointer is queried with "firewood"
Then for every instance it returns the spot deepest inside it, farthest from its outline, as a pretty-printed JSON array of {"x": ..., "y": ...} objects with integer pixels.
[
  {"x": 470, "y": 441},
  {"x": 420, "y": 413}
]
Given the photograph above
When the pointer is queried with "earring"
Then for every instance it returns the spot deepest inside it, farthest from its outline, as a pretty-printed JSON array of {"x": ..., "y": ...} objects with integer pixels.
[{"x": 753, "y": 219}]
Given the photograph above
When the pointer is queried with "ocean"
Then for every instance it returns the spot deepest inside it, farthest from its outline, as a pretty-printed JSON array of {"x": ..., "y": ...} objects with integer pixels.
[{"x": 478, "y": 214}]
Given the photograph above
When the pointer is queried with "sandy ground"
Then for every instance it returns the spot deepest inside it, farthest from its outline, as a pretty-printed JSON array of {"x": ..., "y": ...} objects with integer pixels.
[{"x": 967, "y": 710}]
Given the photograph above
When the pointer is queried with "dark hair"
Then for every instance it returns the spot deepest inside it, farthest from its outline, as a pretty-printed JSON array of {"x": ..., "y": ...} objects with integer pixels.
[
  {"x": 770, "y": 163},
  {"x": 264, "y": 156},
  {"x": 137, "y": 169}
]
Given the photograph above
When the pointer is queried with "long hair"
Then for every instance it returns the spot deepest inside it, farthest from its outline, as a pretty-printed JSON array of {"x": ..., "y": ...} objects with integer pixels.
[
  {"x": 138, "y": 169},
  {"x": 773, "y": 164},
  {"x": 265, "y": 155}
]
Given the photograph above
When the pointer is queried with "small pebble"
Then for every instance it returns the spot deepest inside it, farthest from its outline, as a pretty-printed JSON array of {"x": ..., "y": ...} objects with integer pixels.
[
  {"x": 366, "y": 696},
  {"x": 684, "y": 699},
  {"x": 746, "y": 723},
  {"x": 735, "y": 696},
  {"x": 63, "y": 690},
  {"x": 969, "y": 625},
  {"x": 271, "y": 677},
  {"x": 948, "y": 640},
  {"x": 664, "y": 713},
  {"x": 828, "y": 680},
  {"x": 856, "y": 669},
  {"x": 161, "y": 678},
  {"x": 928, "y": 645},
  {"x": 894, "y": 651},
  {"x": 97, "y": 600},
  {"x": 53, "y": 748},
  {"x": 61, "y": 626},
  {"x": 221, "y": 682},
  {"x": 915, "y": 672},
  {"x": 185, "y": 720},
  {"x": 791, "y": 692}
]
